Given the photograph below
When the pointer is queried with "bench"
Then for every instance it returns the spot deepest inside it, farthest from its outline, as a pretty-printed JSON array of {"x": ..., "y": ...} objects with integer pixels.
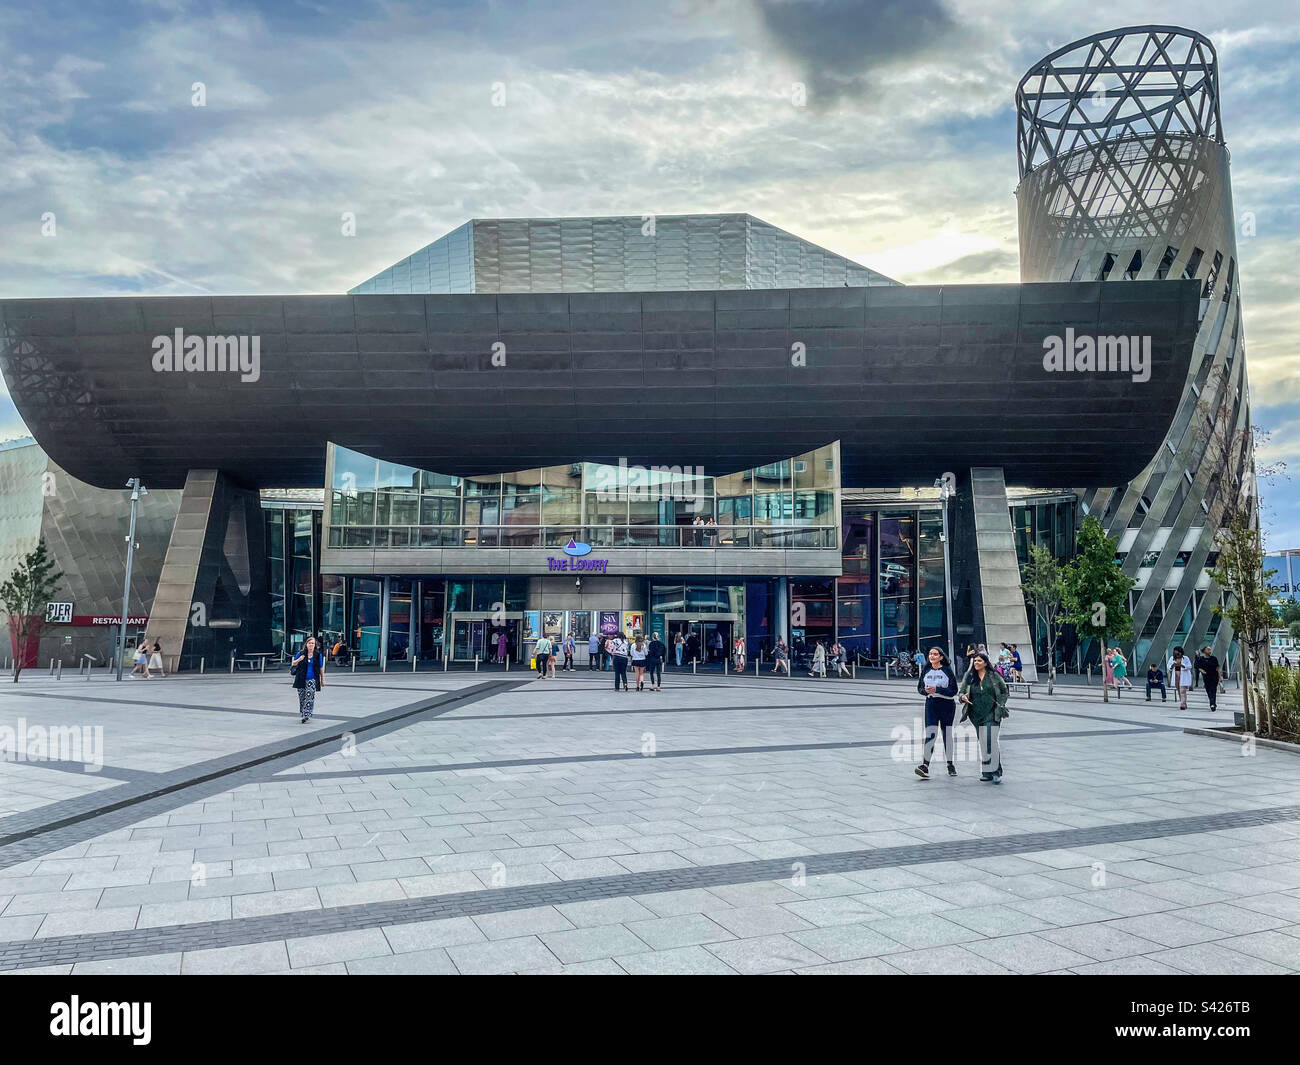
[{"x": 1016, "y": 685}]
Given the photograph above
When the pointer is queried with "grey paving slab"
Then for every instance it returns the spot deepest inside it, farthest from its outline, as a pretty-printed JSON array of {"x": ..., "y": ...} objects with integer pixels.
[
  {"x": 252, "y": 958},
  {"x": 590, "y": 944},
  {"x": 338, "y": 947},
  {"x": 502, "y": 956},
  {"x": 675, "y": 961},
  {"x": 1028, "y": 954}
]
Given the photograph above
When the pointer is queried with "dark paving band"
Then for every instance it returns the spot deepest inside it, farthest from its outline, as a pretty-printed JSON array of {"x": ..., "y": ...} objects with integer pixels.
[
  {"x": 703, "y": 752},
  {"x": 64, "y": 950}
]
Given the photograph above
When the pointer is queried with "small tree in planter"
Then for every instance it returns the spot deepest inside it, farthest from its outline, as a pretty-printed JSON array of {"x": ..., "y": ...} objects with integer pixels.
[
  {"x": 24, "y": 596},
  {"x": 1096, "y": 591},
  {"x": 1241, "y": 575},
  {"x": 1044, "y": 586}
]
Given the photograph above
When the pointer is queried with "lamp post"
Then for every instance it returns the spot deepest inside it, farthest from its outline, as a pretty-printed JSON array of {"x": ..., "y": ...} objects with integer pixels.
[
  {"x": 137, "y": 490},
  {"x": 946, "y": 490}
]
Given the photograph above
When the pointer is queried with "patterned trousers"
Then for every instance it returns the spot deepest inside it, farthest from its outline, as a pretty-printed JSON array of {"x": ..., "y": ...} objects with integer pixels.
[{"x": 307, "y": 699}]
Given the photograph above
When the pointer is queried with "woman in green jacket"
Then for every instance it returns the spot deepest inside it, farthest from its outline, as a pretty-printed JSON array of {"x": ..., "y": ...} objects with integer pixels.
[{"x": 984, "y": 695}]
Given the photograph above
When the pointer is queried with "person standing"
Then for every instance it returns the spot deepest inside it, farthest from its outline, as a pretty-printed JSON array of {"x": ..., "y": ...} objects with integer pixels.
[
  {"x": 1210, "y": 673},
  {"x": 679, "y": 646},
  {"x": 556, "y": 647},
  {"x": 984, "y": 693},
  {"x": 593, "y": 652},
  {"x": 618, "y": 653},
  {"x": 1108, "y": 669},
  {"x": 654, "y": 662},
  {"x": 819, "y": 661},
  {"x": 638, "y": 653},
  {"x": 841, "y": 659},
  {"x": 1156, "y": 679},
  {"x": 570, "y": 646},
  {"x": 503, "y": 645},
  {"x": 542, "y": 653},
  {"x": 155, "y": 659},
  {"x": 307, "y": 669},
  {"x": 738, "y": 655},
  {"x": 1197, "y": 662},
  {"x": 1180, "y": 675},
  {"x": 939, "y": 686}
]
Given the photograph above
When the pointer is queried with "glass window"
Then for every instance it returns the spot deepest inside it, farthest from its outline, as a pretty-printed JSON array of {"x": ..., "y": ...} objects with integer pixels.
[
  {"x": 367, "y": 598},
  {"x": 488, "y": 594},
  {"x": 898, "y": 535},
  {"x": 931, "y": 534}
]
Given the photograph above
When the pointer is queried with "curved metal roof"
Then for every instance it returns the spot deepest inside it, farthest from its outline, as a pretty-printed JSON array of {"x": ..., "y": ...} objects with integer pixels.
[{"x": 913, "y": 381}]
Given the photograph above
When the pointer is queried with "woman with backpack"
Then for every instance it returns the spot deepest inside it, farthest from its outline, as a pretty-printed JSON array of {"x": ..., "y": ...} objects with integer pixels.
[
  {"x": 984, "y": 694},
  {"x": 307, "y": 669},
  {"x": 656, "y": 652},
  {"x": 939, "y": 685}
]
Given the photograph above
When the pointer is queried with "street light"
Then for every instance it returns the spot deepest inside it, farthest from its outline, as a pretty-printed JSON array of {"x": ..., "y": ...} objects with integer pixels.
[
  {"x": 946, "y": 490},
  {"x": 137, "y": 490}
]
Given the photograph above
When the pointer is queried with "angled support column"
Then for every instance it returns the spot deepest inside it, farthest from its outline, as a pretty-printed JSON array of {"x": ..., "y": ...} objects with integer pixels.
[
  {"x": 990, "y": 604},
  {"x": 212, "y": 592}
]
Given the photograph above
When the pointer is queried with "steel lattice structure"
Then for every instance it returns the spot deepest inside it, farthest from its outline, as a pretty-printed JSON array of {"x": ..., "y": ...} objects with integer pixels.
[{"x": 1125, "y": 176}]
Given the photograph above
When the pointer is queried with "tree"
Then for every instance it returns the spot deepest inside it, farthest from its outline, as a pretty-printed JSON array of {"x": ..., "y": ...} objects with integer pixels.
[
  {"x": 1096, "y": 590},
  {"x": 1241, "y": 575},
  {"x": 24, "y": 596},
  {"x": 1289, "y": 612},
  {"x": 1293, "y": 630},
  {"x": 1044, "y": 588}
]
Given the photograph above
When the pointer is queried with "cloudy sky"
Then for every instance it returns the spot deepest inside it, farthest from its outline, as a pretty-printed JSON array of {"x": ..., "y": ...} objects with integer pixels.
[{"x": 903, "y": 157}]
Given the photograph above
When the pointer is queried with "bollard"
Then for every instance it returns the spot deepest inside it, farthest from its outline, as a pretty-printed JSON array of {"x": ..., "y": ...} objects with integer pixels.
[
  {"x": 1089, "y": 672},
  {"x": 264, "y": 664},
  {"x": 853, "y": 671},
  {"x": 886, "y": 670},
  {"x": 414, "y": 660},
  {"x": 507, "y": 662},
  {"x": 60, "y": 676},
  {"x": 383, "y": 664},
  {"x": 756, "y": 661},
  {"x": 445, "y": 660},
  {"x": 354, "y": 663},
  {"x": 202, "y": 663},
  {"x": 694, "y": 662},
  {"x": 476, "y": 663},
  {"x": 725, "y": 663},
  {"x": 51, "y": 667},
  {"x": 232, "y": 661}
]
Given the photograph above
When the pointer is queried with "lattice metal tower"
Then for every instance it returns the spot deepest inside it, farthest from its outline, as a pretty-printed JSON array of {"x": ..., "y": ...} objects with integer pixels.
[{"x": 1124, "y": 176}]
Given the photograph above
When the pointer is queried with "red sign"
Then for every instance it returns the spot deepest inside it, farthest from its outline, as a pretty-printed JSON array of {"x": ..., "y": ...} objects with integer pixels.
[{"x": 116, "y": 619}]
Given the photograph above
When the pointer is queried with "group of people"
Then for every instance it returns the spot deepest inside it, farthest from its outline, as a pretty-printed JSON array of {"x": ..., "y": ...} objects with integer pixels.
[
  {"x": 644, "y": 656},
  {"x": 546, "y": 652},
  {"x": 146, "y": 660},
  {"x": 1184, "y": 674},
  {"x": 1008, "y": 664},
  {"x": 982, "y": 693}
]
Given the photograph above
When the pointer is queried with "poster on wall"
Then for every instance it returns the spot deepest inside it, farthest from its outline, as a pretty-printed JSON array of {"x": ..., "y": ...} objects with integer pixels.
[
  {"x": 531, "y": 619},
  {"x": 608, "y": 622},
  {"x": 553, "y": 623},
  {"x": 633, "y": 622}
]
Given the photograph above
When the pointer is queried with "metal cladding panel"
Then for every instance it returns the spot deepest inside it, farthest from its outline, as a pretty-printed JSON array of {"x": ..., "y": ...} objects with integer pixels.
[{"x": 911, "y": 380}]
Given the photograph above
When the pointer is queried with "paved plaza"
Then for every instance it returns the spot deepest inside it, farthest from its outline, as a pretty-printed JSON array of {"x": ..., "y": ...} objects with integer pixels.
[{"x": 493, "y": 823}]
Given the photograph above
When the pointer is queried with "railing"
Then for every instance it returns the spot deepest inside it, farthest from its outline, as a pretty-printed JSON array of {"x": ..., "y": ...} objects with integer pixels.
[{"x": 597, "y": 536}]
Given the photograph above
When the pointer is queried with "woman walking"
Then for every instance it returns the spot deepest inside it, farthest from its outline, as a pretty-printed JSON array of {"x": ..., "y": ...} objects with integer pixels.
[
  {"x": 819, "y": 661},
  {"x": 307, "y": 677},
  {"x": 939, "y": 686},
  {"x": 782, "y": 656},
  {"x": 738, "y": 655},
  {"x": 840, "y": 657},
  {"x": 639, "y": 653},
  {"x": 1108, "y": 670},
  {"x": 1180, "y": 675},
  {"x": 679, "y": 646},
  {"x": 1120, "y": 667},
  {"x": 141, "y": 660},
  {"x": 618, "y": 653},
  {"x": 985, "y": 695},
  {"x": 654, "y": 662},
  {"x": 155, "y": 659}
]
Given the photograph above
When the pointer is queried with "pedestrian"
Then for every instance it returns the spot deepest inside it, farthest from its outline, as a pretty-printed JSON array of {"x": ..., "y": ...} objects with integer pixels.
[
  {"x": 1017, "y": 664},
  {"x": 693, "y": 647},
  {"x": 1156, "y": 679},
  {"x": 819, "y": 661},
  {"x": 141, "y": 659},
  {"x": 697, "y": 535},
  {"x": 782, "y": 657},
  {"x": 939, "y": 686},
  {"x": 155, "y": 659},
  {"x": 679, "y": 646},
  {"x": 1196, "y": 669},
  {"x": 842, "y": 660},
  {"x": 1180, "y": 675},
  {"x": 593, "y": 652},
  {"x": 557, "y": 648},
  {"x": 719, "y": 646},
  {"x": 1120, "y": 667},
  {"x": 1107, "y": 669},
  {"x": 570, "y": 646},
  {"x": 307, "y": 670},
  {"x": 638, "y": 653},
  {"x": 618, "y": 653},
  {"x": 985, "y": 695},
  {"x": 1210, "y": 673},
  {"x": 542, "y": 653},
  {"x": 654, "y": 662},
  {"x": 738, "y": 655},
  {"x": 503, "y": 645}
]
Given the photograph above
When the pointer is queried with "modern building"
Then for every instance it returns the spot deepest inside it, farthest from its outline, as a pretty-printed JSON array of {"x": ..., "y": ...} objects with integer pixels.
[
  {"x": 694, "y": 424},
  {"x": 1125, "y": 178},
  {"x": 1284, "y": 584}
]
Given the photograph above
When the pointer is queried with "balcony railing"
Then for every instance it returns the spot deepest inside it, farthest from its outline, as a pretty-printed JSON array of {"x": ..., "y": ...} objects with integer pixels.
[{"x": 600, "y": 537}]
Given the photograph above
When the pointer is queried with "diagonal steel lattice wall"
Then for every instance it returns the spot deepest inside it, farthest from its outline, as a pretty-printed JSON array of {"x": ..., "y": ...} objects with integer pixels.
[{"x": 1125, "y": 177}]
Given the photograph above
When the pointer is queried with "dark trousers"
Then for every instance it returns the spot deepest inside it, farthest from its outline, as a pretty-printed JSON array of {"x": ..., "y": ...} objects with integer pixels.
[
  {"x": 620, "y": 671},
  {"x": 541, "y": 664},
  {"x": 654, "y": 668},
  {"x": 1212, "y": 690},
  {"x": 593, "y": 659},
  {"x": 1150, "y": 685},
  {"x": 939, "y": 714},
  {"x": 568, "y": 660}
]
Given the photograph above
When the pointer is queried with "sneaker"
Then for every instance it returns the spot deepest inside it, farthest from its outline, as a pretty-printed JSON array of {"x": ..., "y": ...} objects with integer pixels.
[
  {"x": 952, "y": 770},
  {"x": 923, "y": 771},
  {"x": 985, "y": 777},
  {"x": 997, "y": 777}
]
